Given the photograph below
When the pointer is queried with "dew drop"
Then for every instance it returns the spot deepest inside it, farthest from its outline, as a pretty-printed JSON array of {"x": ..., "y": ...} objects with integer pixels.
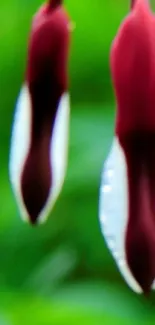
[
  {"x": 111, "y": 242},
  {"x": 110, "y": 173},
  {"x": 103, "y": 219},
  {"x": 121, "y": 262},
  {"x": 106, "y": 188},
  {"x": 116, "y": 254}
]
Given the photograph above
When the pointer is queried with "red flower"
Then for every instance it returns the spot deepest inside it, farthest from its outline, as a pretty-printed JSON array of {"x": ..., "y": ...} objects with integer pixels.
[
  {"x": 40, "y": 129},
  {"x": 130, "y": 203}
]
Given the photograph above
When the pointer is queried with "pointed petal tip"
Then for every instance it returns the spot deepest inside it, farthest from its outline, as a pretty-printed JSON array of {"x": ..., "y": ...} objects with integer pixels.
[
  {"x": 144, "y": 278},
  {"x": 30, "y": 219},
  {"x": 147, "y": 293},
  {"x": 145, "y": 290},
  {"x": 36, "y": 220},
  {"x": 33, "y": 222}
]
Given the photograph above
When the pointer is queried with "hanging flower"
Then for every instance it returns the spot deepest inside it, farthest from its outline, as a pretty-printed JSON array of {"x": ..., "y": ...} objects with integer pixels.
[
  {"x": 39, "y": 143},
  {"x": 127, "y": 195}
]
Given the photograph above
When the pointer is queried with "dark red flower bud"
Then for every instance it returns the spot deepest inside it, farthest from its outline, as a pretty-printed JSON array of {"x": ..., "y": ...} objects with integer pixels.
[
  {"x": 40, "y": 130},
  {"x": 128, "y": 195}
]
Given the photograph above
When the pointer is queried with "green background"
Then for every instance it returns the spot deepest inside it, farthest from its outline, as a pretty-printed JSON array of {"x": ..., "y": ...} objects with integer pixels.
[{"x": 62, "y": 273}]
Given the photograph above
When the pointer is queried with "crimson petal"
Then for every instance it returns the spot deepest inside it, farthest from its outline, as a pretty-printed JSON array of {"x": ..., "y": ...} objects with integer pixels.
[
  {"x": 132, "y": 186},
  {"x": 40, "y": 130}
]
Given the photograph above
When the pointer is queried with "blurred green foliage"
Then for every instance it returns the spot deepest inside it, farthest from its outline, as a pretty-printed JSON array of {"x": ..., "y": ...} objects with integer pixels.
[{"x": 62, "y": 273}]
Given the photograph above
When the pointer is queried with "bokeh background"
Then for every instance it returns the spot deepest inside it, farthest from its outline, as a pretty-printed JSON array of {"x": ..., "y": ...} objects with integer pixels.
[{"x": 62, "y": 273}]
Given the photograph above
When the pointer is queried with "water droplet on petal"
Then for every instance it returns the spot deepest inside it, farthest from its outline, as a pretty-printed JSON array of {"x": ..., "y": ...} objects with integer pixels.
[
  {"x": 110, "y": 173},
  {"x": 103, "y": 219},
  {"x": 121, "y": 262},
  {"x": 116, "y": 254},
  {"x": 106, "y": 188},
  {"x": 111, "y": 242}
]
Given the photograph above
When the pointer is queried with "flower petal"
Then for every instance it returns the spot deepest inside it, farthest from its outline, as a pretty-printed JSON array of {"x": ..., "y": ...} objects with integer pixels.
[
  {"x": 113, "y": 210},
  {"x": 20, "y": 149}
]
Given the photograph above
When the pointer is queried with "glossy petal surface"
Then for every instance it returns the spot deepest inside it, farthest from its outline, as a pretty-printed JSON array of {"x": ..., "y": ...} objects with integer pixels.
[{"x": 113, "y": 209}]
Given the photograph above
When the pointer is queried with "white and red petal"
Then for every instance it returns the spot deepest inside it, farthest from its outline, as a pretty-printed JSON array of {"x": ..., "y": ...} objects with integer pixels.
[
  {"x": 32, "y": 204},
  {"x": 113, "y": 210},
  {"x": 132, "y": 190},
  {"x": 20, "y": 144},
  {"x": 39, "y": 143}
]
